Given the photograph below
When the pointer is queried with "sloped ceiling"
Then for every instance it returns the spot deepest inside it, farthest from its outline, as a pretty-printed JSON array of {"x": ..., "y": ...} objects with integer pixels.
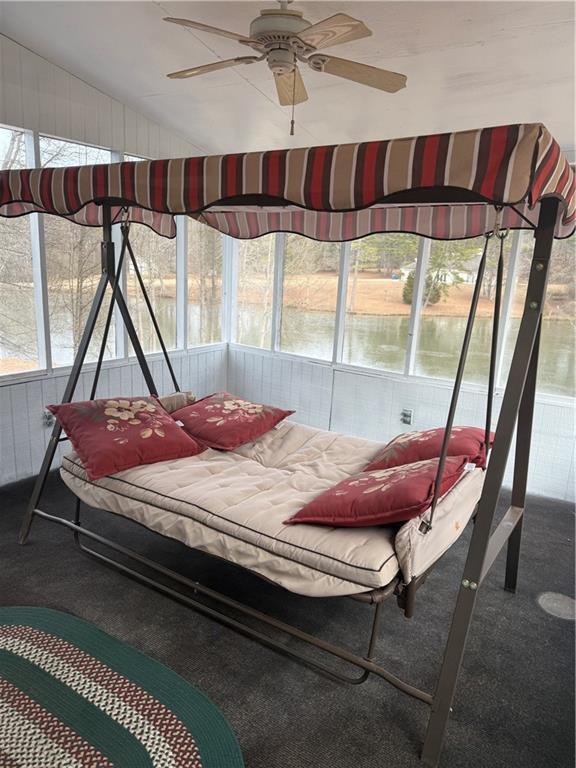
[{"x": 468, "y": 64}]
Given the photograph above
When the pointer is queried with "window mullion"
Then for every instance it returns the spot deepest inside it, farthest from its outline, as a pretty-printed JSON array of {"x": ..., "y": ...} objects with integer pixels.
[
  {"x": 507, "y": 301},
  {"x": 229, "y": 288},
  {"x": 277, "y": 290},
  {"x": 120, "y": 334},
  {"x": 422, "y": 260},
  {"x": 39, "y": 273},
  {"x": 340, "y": 320},
  {"x": 181, "y": 282}
]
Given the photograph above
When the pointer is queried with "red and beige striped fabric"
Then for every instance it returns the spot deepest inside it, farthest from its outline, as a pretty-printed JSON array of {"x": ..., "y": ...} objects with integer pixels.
[{"x": 328, "y": 193}]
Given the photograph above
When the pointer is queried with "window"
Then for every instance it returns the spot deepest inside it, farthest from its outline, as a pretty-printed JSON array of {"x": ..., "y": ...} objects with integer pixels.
[
  {"x": 73, "y": 264},
  {"x": 378, "y": 300},
  {"x": 557, "y": 355},
  {"x": 448, "y": 288},
  {"x": 254, "y": 291},
  {"x": 156, "y": 259},
  {"x": 309, "y": 297},
  {"x": 18, "y": 339},
  {"x": 204, "y": 283}
]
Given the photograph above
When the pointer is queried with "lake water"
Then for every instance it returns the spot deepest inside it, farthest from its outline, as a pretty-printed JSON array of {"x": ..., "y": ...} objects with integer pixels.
[{"x": 377, "y": 341}]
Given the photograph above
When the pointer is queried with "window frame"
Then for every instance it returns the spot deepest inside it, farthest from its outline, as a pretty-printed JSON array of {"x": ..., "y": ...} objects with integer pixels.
[
  {"x": 228, "y": 306},
  {"x": 337, "y": 362},
  {"x": 38, "y": 264},
  {"x": 40, "y": 282}
]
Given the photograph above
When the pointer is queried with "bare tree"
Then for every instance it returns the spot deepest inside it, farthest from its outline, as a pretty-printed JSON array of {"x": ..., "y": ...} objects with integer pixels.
[{"x": 204, "y": 282}]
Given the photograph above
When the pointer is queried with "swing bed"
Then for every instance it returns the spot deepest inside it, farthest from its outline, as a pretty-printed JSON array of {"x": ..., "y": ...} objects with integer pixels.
[{"x": 450, "y": 186}]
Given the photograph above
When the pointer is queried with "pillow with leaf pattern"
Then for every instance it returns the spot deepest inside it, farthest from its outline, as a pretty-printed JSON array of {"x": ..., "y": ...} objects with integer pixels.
[
  {"x": 419, "y": 446},
  {"x": 224, "y": 421},
  {"x": 381, "y": 496},
  {"x": 117, "y": 433}
]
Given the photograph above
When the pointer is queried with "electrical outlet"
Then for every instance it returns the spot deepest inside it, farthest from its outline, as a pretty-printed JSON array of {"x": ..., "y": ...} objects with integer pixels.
[
  {"x": 407, "y": 415},
  {"x": 47, "y": 419}
]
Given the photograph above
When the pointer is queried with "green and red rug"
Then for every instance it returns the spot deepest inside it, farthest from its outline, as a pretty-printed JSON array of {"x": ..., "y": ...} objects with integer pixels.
[{"x": 71, "y": 696}]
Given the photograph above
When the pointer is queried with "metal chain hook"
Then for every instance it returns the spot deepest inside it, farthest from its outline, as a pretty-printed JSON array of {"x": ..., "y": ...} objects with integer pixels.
[
  {"x": 125, "y": 220},
  {"x": 500, "y": 233}
]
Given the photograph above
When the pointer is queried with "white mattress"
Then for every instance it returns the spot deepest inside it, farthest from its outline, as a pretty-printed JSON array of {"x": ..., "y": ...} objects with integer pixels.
[{"x": 233, "y": 505}]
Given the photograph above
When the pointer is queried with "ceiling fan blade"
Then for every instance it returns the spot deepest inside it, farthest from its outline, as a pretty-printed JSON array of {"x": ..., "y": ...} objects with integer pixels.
[
  {"x": 337, "y": 29},
  {"x": 364, "y": 74},
  {"x": 208, "y": 28},
  {"x": 287, "y": 88},
  {"x": 201, "y": 70}
]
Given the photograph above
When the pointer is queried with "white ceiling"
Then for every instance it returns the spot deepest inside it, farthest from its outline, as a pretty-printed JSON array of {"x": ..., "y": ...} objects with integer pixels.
[{"x": 469, "y": 64}]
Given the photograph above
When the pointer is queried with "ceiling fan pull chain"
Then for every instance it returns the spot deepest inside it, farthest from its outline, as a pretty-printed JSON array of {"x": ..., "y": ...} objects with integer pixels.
[{"x": 293, "y": 97}]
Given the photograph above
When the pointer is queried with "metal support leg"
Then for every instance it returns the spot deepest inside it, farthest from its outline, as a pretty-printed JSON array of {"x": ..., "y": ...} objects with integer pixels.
[
  {"x": 473, "y": 571},
  {"x": 152, "y": 315},
  {"x": 77, "y": 504},
  {"x": 521, "y": 462},
  {"x": 371, "y": 645},
  {"x": 107, "y": 324},
  {"x": 67, "y": 397},
  {"x": 427, "y": 524},
  {"x": 108, "y": 276},
  {"x": 195, "y": 588},
  {"x": 108, "y": 265}
]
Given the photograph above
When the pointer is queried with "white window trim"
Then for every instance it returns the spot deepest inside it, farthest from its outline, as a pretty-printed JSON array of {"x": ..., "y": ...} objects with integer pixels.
[
  {"x": 414, "y": 328},
  {"x": 396, "y": 377},
  {"x": 38, "y": 257},
  {"x": 277, "y": 291},
  {"x": 229, "y": 288},
  {"x": 120, "y": 333},
  {"x": 341, "y": 302},
  {"x": 422, "y": 260},
  {"x": 181, "y": 282}
]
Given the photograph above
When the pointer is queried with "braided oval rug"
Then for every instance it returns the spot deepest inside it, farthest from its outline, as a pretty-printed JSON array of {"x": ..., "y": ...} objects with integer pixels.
[{"x": 71, "y": 696}]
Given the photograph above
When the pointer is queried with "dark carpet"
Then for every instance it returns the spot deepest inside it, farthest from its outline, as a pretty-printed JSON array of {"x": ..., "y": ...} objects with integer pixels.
[{"x": 515, "y": 701}]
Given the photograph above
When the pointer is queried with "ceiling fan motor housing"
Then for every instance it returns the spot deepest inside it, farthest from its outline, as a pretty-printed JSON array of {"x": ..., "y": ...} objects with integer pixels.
[
  {"x": 277, "y": 33},
  {"x": 283, "y": 38}
]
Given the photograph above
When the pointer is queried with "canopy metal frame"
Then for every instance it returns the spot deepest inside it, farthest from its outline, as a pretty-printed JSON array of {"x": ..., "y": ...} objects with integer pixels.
[{"x": 486, "y": 542}]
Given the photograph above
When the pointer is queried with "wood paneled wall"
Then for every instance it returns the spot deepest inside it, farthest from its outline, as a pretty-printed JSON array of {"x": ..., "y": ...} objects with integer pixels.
[
  {"x": 369, "y": 405},
  {"x": 322, "y": 396},
  {"x": 23, "y": 436},
  {"x": 39, "y": 96}
]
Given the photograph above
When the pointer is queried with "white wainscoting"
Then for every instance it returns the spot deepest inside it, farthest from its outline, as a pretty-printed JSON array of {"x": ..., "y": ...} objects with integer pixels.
[
  {"x": 369, "y": 405},
  {"x": 281, "y": 380},
  {"x": 23, "y": 437},
  {"x": 354, "y": 402},
  {"x": 39, "y": 96}
]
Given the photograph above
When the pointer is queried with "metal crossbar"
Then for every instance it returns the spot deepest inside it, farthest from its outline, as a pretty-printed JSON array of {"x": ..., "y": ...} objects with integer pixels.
[
  {"x": 365, "y": 663},
  {"x": 517, "y": 404}
]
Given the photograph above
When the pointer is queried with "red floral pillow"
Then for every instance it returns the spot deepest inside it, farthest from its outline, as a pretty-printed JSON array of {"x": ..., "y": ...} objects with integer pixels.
[
  {"x": 225, "y": 422},
  {"x": 382, "y": 496},
  {"x": 418, "y": 446},
  {"x": 118, "y": 433}
]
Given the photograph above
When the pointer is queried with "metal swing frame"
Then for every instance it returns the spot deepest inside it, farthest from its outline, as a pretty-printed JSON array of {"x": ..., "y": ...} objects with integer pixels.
[{"x": 485, "y": 545}]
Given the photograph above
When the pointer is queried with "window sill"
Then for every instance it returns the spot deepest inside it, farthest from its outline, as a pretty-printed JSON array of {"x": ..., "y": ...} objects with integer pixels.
[
  {"x": 394, "y": 376},
  {"x": 25, "y": 377}
]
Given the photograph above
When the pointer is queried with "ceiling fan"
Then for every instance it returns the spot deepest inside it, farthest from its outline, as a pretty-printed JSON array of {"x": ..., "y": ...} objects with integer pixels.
[{"x": 282, "y": 37}]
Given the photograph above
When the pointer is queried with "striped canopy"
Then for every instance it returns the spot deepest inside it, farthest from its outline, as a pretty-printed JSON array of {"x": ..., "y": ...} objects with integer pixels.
[{"x": 445, "y": 186}]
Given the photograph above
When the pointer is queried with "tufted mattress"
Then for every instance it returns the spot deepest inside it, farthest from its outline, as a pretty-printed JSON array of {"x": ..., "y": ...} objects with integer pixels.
[{"x": 233, "y": 505}]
